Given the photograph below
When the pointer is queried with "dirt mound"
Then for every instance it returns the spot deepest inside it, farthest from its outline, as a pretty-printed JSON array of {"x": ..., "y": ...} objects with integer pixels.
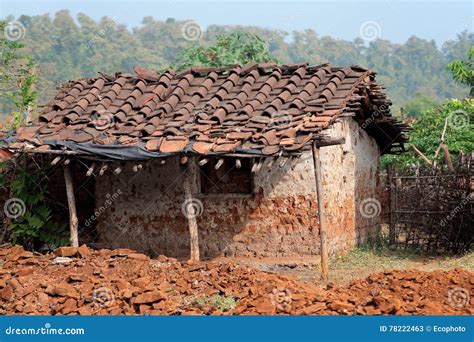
[{"x": 82, "y": 281}]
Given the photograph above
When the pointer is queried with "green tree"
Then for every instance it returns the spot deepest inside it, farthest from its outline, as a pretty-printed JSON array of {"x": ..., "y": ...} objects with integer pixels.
[
  {"x": 17, "y": 78},
  {"x": 457, "y": 116},
  {"x": 463, "y": 70},
  {"x": 68, "y": 48},
  {"x": 417, "y": 105},
  {"x": 235, "y": 48}
]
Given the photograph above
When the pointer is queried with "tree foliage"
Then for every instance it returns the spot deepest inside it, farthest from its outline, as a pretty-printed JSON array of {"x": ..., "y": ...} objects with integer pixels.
[
  {"x": 463, "y": 70},
  {"x": 70, "y": 48},
  {"x": 457, "y": 115},
  {"x": 235, "y": 48},
  {"x": 417, "y": 105},
  {"x": 36, "y": 225},
  {"x": 17, "y": 79}
]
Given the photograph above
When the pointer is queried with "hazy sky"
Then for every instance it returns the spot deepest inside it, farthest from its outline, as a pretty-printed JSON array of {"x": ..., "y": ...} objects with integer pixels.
[{"x": 393, "y": 20}]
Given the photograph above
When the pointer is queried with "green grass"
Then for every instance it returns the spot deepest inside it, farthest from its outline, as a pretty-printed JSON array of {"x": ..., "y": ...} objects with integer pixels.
[
  {"x": 362, "y": 258},
  {"x": 361, "y": 262},
  {"x": 219, "y": 302}
]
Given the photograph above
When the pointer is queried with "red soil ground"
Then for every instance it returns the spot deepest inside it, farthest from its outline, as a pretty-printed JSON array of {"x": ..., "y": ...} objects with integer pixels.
[{"x": 82, "y": 281}]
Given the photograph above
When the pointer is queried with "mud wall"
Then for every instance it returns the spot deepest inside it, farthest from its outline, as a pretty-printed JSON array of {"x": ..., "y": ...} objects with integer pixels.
[{"x": 279, "y": 219}]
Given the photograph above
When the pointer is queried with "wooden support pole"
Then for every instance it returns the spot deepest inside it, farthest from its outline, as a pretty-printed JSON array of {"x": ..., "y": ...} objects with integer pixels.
[
  {"x": 321, "y": 213},
  {"x": 71, "y": 201},
  {"x": 447, "y": 157},
  {"x": 190, "y": 210}
]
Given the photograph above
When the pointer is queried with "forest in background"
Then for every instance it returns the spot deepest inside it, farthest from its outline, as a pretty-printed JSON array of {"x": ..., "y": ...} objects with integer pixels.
[{"x": 66, "y": 48}]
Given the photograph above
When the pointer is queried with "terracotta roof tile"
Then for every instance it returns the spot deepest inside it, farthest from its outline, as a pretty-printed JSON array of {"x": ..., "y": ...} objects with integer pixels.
[{"x": 263, "y": 107}]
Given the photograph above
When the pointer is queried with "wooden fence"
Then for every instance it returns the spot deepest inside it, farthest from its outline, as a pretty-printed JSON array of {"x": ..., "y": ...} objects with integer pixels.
[{"x": 432, "y": 210}]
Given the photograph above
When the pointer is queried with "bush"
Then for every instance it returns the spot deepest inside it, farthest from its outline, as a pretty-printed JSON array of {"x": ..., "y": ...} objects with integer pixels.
[{"x": 458, "y": 115}]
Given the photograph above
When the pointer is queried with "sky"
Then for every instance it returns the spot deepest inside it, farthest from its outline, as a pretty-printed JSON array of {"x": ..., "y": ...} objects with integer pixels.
[{"x": 392, "y": 20}]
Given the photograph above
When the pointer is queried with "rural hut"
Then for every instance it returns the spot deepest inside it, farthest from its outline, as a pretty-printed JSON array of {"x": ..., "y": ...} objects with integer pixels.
[{"x": 254, "y": 160}]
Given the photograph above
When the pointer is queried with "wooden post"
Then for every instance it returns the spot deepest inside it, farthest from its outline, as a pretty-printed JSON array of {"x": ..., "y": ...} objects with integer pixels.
[
  {"x": 73, "y": 221},
  {"x": 190, "y": 211},
  {"x": 321, "y": 213},
  {"x": 447, "y": 157}
]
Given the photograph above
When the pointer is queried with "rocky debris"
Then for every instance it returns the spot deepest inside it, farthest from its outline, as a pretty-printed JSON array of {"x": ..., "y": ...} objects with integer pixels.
[{"x": 124, "y": 282}]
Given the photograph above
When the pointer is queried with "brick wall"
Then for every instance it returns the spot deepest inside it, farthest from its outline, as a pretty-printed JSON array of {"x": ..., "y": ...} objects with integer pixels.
[{"x": 279, "y": 219}]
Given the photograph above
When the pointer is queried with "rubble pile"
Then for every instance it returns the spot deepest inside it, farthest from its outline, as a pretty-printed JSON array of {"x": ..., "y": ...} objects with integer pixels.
[{"x": 82, "y": 281}]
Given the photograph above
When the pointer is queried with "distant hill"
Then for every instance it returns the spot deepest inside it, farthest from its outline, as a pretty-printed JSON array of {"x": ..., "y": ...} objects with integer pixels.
[{"x": 71, "y": 48}]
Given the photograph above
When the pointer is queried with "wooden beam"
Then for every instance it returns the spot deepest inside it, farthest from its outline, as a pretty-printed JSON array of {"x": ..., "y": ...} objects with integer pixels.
[
  {"x": 254, "y": 166},
  {"x": 103, "y": 169},
  {"x": 219, "y": 163},
  {"x": 271, "y": 162},
  {"x": 283, "y": 161},
  {"x": 90, "y": 170},
  {"x": 137, "y": 167},
  {"x": 189, "y": 211},
  {"x": 71, "y": 201},
  {"x": 330, "y": 142},
  {"x": 56, "y": 160},
  {"x": 422, "y": 156},
  {"x": 321, "y": 214}
]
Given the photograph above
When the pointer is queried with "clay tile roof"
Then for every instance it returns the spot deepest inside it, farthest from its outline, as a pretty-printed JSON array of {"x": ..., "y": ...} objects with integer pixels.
[{"x": 261, "y": 109}]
